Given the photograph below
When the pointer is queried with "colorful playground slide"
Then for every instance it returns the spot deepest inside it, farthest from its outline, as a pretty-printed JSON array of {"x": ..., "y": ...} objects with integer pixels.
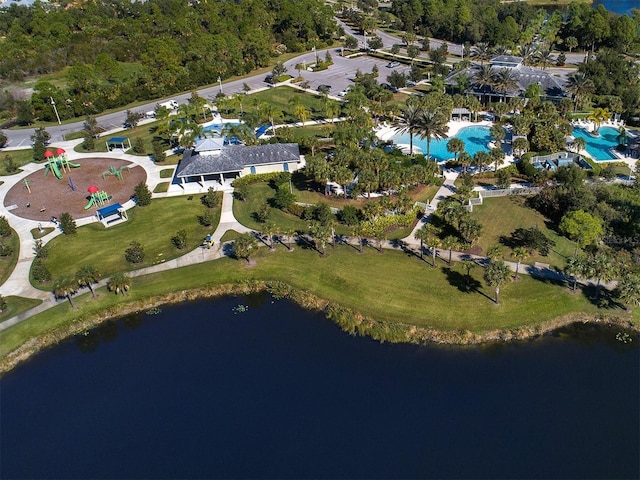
[
  {"x": 56, "y": 170},
  {"x": 90, "y": 204},
  {"x": 73, "y": 165}
]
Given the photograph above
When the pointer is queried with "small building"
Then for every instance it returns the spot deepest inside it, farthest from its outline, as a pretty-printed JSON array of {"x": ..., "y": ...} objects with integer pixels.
[{"x": 212, "y": 160}]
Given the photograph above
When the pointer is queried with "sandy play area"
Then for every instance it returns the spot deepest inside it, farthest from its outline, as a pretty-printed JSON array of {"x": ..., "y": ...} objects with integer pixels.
[{"x": 51, "y": 196}]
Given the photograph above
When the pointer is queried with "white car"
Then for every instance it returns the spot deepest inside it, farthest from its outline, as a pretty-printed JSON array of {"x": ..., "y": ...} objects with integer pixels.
[
  {"x": 343, "y": 93},
  {"x": 393, "y": 64}
]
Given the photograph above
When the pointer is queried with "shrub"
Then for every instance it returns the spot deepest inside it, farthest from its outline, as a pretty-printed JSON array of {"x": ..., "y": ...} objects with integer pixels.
[
  {"x": 40, "y": 249},
  {"x": 5, "y": 228},
  {"x": 89, "y": 143},
  {"x": 138, "y": 146},
  {"x": 3, "y": 304},
  {"x": 67, "y": 224},
  {"x": 206, "y": 219},
  {"x": 10, "y": 165},
  {"x": 211, "y": 199},
  {"x": 263, "y": 214},
  {"x": 284, "y": 198},
  {"x": 6, "y": 249},
  {"x": 350, "y": 215},
  {"x": 295, "y": 209},
  {"x": 179, "y": 240},
  {"x": 241, "y": 192},
  {"x": 3, "y": 139},
  {"x": 40, "y": 272},
  {"x": 135, "y": 253},
  {"x": 158, "y": 151},
  {"x": 142, "y": 194}
]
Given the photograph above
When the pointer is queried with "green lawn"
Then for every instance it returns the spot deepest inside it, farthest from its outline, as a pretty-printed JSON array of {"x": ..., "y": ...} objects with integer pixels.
[
  {"x": 7, "y": 264},
  {"x": 167, "y": 172},
  {"x": 17, "y": 305},
  {"x": 391, "y": 287},
  {"x": 280, "y": 97},
  {"x": 502, "y": 215},
  {"x": 152, "y": 226},
  {"x": 19, "y": 157},
  {"x": 162, "y": 187}
]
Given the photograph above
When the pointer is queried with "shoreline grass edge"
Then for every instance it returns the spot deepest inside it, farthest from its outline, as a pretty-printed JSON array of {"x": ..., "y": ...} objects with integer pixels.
[{"x": 349, "y": 320}]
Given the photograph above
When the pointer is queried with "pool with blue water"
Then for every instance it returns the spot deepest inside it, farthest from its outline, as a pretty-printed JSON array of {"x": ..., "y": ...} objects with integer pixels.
[
  {"x": 599, "y": 147},
  {"x": 475, "y": 139}
]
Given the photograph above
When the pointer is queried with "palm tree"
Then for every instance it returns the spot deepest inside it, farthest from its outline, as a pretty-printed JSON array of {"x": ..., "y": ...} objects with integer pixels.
[
  {"x": 528, "y": 53},
  {"x": 86, "y": 276},
  {"x": 465, "y": 159},
  {"x": 409, "y": 122},
  {"x": 580, "y": 86},
  {"x": 497, "y": 157},
  {"x": 481, "y": 159},
  {"x": 603, "y": 268},
  {"x": 269, "y": 111},
  {"x": 468, "y": 264},
  {"x": 474, "y": 106},
  {"x": 599, "y": 115},
  {"x": 504, "y": 81},
  {"x": 455, "y": 146},
  {"x": 575, "y": 269},
  {"x": 422, "y": 234},
  {"x": 629, "y": 290},
  {"x": 119, "y": 283},
  {"x": 579, "y": 144},
  {"x": 545, "y": 57},
  {"x": 484, "y": 78},
  {"x": 470, "y": 229},
  {"x": 481, "y": 51},
  {"x": 519, "y": 253},
  {"x": 65, "y": 287},
  {"x": 244, "y": 245},
  {"x": 449, "y": 243},
  {"x": 623, "y": 136},
  {"x": 520, "y": 146},
  {"x": 432, "y": 125},
  {"x": 497, "y": 274},
  {"x": 494, "y": 252}
]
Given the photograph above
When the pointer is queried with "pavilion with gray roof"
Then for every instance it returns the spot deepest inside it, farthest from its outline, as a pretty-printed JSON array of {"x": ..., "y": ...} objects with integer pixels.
[
  {"x": 552, "y": 87},
  {"x": 213, "y": 161}
]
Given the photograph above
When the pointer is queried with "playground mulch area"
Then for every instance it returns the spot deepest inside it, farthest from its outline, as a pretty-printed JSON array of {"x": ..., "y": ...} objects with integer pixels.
[{"x": 51, "y": 196}]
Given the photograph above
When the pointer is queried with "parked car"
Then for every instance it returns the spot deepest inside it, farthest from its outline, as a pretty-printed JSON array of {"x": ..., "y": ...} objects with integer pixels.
[
  {"x": 343, "y": 93},
  {"x": 324, "y": 88},
  {"x": 393, "y": 64}
]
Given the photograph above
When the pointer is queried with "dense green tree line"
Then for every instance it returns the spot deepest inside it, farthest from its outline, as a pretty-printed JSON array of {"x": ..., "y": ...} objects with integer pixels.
[
  {"x": 117, "y": 52},
  {"x": 518, "y": 23}
]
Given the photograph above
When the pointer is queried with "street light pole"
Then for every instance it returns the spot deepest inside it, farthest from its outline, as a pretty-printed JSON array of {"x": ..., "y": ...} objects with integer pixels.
[
  {"x": 220, "y": 83},
  {"x": 53, "y": 104}
]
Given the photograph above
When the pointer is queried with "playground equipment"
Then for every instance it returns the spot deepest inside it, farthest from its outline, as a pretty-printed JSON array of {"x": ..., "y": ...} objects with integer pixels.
[
  {"x": 207, "y": 242},
  {"x": 26, "y": 182},
  {"x": 98, "y": 197},
  {"x": 58, "y": 162},
  {"x": 115, "y": 172}
]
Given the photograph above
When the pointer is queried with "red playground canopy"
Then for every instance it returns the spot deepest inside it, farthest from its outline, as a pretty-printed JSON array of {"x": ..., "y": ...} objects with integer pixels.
[
  {"x": 49, "y": 153},
  {"x": 59, "y": 151},
  {"x": 92, "y": 189}
]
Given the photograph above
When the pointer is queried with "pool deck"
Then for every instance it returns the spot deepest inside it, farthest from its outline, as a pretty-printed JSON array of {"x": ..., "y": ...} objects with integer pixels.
[{"x": 385, "y": 131}]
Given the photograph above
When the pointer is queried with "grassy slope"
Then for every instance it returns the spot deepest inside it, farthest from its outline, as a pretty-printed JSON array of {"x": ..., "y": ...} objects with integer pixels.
[
  {"x": 7, "y": 264},
  {"x": 502, "y": 215},
  {"x": 389, "y": 286}
]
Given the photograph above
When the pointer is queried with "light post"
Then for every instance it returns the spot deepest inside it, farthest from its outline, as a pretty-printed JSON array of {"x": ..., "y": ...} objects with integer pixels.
[
  {"x": 316, "y": 52},
  {"x": 53, "y": 104},
  {"x": 220, "y": 83}
]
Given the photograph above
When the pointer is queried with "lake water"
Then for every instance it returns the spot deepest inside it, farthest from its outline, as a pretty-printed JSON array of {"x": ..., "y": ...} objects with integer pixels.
[
  {"x": 618, "y": 6},
  {"x": 203, "y": 391}
]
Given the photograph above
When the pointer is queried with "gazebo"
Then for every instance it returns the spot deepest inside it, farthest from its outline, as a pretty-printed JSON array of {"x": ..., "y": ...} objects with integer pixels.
[{"x": 118, "y": 142}]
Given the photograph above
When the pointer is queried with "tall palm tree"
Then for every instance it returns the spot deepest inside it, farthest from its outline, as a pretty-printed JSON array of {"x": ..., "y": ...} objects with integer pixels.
[
  {"x": 528, "y": 53},
  {"x": 519, "y": 253},
  {"x": 484, "y": 79},
  {"x": 599, "y": 115},
  {"x": 481, "y": 159},
  {"x": 86, "y": 276},
  {"x": 65, "y": 287},
  {"x": 455, "y": 146},
  {"x": 580, "y": 86},
  {"x": 504, "y": 81},
  {"x": 474, "y": 106},
  {"x": 579, "y": 144},
  {"x": 501, "y": 50},
  {"x": 496, "y": 274},
  {"x": 449, "y": 243},
  {"x": 422, "y": 234},
  {"x": 545, "y": 57},
  {"x": 432, "y": 125},
  {"x": 575, "y": 269},
  {"x": 481, "y": 51},
  {"x": 409, "y": 122}
]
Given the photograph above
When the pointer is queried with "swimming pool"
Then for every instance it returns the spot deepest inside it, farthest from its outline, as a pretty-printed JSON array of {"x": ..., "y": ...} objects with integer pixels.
[
  {"x": 475, "y": 139},
  {"x": 599, "y": 148}
]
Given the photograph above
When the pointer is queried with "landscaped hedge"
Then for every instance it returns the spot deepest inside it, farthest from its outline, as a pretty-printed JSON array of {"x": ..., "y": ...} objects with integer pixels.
[{"x": 247, "y": 180}]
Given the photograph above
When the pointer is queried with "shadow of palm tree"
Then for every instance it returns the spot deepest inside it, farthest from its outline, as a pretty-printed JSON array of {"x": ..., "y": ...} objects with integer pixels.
[{"x": 462, "y": 282}]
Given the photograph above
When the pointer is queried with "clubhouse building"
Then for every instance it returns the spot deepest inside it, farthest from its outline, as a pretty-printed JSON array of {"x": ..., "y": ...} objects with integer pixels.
[
  {"x": 211, "y": 160},
  {"x": 552, "y": 87}
]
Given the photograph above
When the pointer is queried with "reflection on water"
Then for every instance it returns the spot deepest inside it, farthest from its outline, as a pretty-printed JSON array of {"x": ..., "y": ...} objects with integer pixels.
[{"x": 208, "y": 390}]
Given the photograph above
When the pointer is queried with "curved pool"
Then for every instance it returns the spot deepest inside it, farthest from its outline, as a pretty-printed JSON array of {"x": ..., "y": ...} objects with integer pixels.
[
  {"x": 475, "y": 139},
  {"x": 599, "y": 148}
]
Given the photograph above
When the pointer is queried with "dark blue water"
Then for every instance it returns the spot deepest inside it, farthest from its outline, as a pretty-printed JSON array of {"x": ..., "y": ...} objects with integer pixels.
[
  {"x": 618, "y": 6},
  {"x": 275, "y": 392}
]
